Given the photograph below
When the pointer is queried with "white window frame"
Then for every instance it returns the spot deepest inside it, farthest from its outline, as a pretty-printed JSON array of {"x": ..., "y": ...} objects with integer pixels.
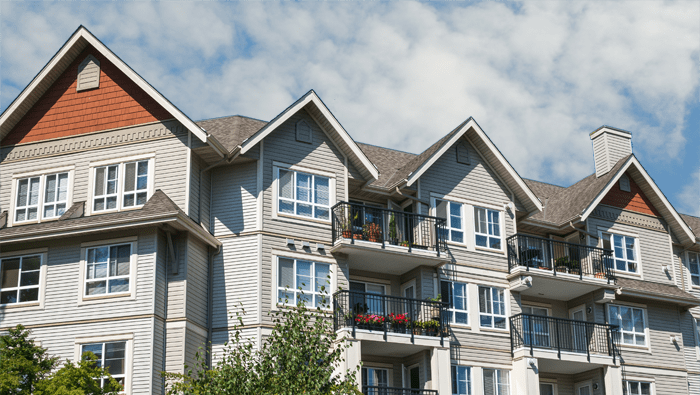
[
  {"x": 451, "y": 309},
  {"x": 696, "y": 331},
  {"x": 637, "y": 256},
  {"x": 129, "y": 350},
  {"x": 294, "y": 289},
  {"x": 622, "y": 332},
  {"x": 119, "y": 194},
  {"x": 492, "y": 314},
  {"x": 627, "y": 381},
  {"x": 83, "y": 296},
  {"x": 312, "y": 172},
  {"x": 42, "y": 175},
  {"x": 551, "y": 382},
  {"x": 488, "y": 236},
  {"x": 456, "y": 378},
  {"x": 377, "y": 366},
  {"x": 690, "y": 270},
  {"x": 496, "y": 374},
  {"x": 42, "y": 253},
  {"x": 448, "y": 220}
]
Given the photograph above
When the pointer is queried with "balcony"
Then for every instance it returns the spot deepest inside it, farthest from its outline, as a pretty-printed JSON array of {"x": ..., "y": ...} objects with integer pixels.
[
  {"x": 564, "y": 345},
  {"x": 378, "y": 390},
  {"x": 394, "y": 319},
  {"x": 563, "y": 271},
  {"x": 407, "y": 240}
]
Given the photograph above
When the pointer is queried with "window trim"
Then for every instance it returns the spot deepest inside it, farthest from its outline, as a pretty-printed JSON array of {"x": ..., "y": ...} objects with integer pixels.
[
  {"x": 501, "y": 227},
  {"x": 131, "y": 294},
  {"x": 277, "y": 304},
  {"x": 121, "y": 163},
  {"x": 128, "y": 360},
  {"x": 43, "y": 268},
  {"x": 696, "y": 332},
  {"x": 276, "y": 214},
  {"x": 637, "y": 251},
  {"x": 462, "y": 213},
  {"x": 466, "y": 304},
  {"x": 650, "y": 381},
  {"x": 470, "y": 378},
  {"x": 645, "y": 317},
  {"x": 42, "y": 174},
  {"x": 690, "y": 272},
  {"x": 496, "y": 370},
  {"x": 492, "y": 315}
]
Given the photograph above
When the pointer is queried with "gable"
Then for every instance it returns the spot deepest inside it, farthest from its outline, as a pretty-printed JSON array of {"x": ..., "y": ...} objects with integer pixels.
[
  {"x": 634, "y": 200},
  {"x": 64, "y": 111}
]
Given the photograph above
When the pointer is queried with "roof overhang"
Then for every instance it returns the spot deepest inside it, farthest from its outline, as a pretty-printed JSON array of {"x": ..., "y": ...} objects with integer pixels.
[
  {"x": 81, "y": 39},
  {"x": 322, "y": 115},
  {"x": 652, "y": 191},
  {"x": 492, "y": 155}
]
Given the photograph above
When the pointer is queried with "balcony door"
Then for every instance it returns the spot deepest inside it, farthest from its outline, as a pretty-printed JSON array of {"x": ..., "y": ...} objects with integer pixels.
[
  {"x": 584, "y": 388},
  {"x": 367, "y": 298},
  {"x": 536, "y": 329},
  {"x": 578, "y": 330},
  {"x": 373, "y": 378}
]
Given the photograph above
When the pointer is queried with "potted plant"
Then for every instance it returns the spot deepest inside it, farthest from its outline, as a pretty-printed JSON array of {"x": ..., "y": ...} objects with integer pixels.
[
  {"x": 575, "y": 267},
  {"x": 404, "y": 243},
  {"x": 434, "y": 308},
  {"x": 398, "y": 322},
  {"x": 370, "y": 321},
  {"x": 562, "y": 264},
  {"x": 372, "y": 232},
  {"x": 417, "y": 327},
  {"x": 431, "y": 327},
  {"x": 392, "y": 230}
]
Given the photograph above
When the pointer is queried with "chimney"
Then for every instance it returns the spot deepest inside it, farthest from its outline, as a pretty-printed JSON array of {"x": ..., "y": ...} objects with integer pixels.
[{"x": 609, "y": 146}]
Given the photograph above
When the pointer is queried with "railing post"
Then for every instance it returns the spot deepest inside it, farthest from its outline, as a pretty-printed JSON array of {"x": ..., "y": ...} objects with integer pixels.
[
  {"x": 437, "y": 237},
  {"x": 558, "y": 339},
  {"x": 512, "y": 353},
  {"x": 532, "y": 334},
  {"x": 413, "y": 318},
  {"x": 441, "y": 317},
  {"x": 410, "y": 232},
  {"x": 384, "y": 214},
  {"x": 588, "y": 348}
]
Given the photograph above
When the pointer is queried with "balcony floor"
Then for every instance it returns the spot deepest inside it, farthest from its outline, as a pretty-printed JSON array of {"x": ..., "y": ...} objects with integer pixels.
[
  {"x": 396, "y": 345},
  {"x": 391, "y": 259},
  {"x": 560, "y": 287},
  {"x": 569, "y": 363}
]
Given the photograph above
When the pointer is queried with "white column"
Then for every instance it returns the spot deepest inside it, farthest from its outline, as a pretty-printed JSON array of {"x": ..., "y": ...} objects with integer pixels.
[
  {"x": 353, "y": 356},
  {"x": 613, "y": 379},
  {"x": 440, "y": 370},
  {"x": 526, "y": 379}
]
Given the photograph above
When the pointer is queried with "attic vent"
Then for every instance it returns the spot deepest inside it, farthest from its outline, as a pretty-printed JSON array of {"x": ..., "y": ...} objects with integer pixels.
[
  {"x": 462, "y": 153},
  {"x": 303, "y": 132},
  {"x": 89, "y": 74},
  {"x": 625, "y": 183}
]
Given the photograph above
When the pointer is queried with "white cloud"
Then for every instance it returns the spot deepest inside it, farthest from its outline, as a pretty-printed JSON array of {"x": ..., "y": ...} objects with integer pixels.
[
  {"x": 689, "y": 196},
  {"x": 538, "y": 78}
]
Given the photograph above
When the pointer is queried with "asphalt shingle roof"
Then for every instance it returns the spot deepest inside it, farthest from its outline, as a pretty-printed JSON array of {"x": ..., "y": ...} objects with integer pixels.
[
  {"x": 693, "y": 222},
  {"x": 387, "y": 160},
  {"x": 650, "y": 287},
  {"x": 231, "y": 131}
]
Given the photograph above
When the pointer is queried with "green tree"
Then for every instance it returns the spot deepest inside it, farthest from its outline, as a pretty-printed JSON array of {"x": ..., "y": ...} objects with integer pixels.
[
  {"x": 22, "y": 363},
  {"x": 82, "y": 378}
]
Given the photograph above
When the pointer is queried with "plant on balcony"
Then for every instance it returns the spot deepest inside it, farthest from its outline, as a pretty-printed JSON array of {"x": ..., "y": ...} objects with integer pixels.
[
  {"x": 372, "y": 232},
  {"x": 431, "y": 327},
  {"x": 417, "y": 327},
  {"x": 393, "y": 238},
  {"x": 347, "y": 226},
  {"x": 370, "y": 321},
  {"x": 404, "y": 243},
  {"x": 398, "y": 322}
]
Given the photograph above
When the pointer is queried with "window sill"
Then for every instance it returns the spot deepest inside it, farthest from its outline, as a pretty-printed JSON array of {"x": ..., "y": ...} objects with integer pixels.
[
  {"x": 116, "y": 210},
  {"x": 21, "y": 306},
  {"x": 636, "y": 276},
  {"x": 490, "y": 250},
  {"x": 300, "y": 219},
  {"x": 631, "y": 347},
  {"x": 494, "y": 331},
  {"x": 105, "y": 298}
]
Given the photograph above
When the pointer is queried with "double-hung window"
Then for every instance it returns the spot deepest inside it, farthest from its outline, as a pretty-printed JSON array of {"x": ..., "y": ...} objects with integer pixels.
[
  {"x": 632, "y": 324},
  {"x": 41, "y": 197},
  {"x": 496, "y": 382},
  {"x": 461, "y": 380},
  {"x": 303, "y": 194},
  {"x": 487, "y": 228},
  {"x": 108, "y": 269},
  {"x": 624, "y": 252},
  {"x": 20, "y": 279},
  {"x": 636, "y": 388},
  {"x": 453, "y": 213},
  {"x": 300, "y": 281},
  {"x": 455, "y": 294},
  {"x": 112, "y": 357},
  {"x": 492, "y": 307},
  {"x": 121, "y": 185},
  {"x": 694, "y": 267}
]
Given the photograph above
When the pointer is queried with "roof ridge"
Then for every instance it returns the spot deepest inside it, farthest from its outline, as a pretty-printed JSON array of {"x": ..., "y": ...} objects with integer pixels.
[
  {"x": 230, "y": 116},
  {"x": 392, "y": 149},
  {"x": 545, "y": 182}
]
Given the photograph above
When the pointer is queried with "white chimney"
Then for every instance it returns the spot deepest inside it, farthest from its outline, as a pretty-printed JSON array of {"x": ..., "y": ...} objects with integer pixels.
[{"x": 609, "y": 146}]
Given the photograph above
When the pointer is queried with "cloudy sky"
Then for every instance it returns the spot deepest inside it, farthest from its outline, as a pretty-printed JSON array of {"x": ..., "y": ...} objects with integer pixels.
[{"x": 537, "y": 76}]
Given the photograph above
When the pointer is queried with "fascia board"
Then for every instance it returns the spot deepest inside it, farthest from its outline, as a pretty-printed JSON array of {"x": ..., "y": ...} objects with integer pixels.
[{"x": 431, "y": 161}]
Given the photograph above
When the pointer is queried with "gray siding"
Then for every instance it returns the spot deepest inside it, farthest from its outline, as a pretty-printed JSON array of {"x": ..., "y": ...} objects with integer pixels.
[
  {"x": 234, "y": 204},
  {"x": 235, "y": 282},
  {"x": 177, "y": 283},
  {"x": 175, "y": 349},
  {"x": 197, "y": 273},
  {"x": 195, "y": 344}
]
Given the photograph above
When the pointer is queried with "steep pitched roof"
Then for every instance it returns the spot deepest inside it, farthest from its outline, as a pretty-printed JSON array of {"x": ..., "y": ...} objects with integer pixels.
[
  {"x": 693, "y": 222},
  {"x": 231, "y": 131},
  {"x": 388, "y": 162}
]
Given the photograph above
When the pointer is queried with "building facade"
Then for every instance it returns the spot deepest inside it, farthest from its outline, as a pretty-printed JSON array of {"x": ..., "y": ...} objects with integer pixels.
[{"x": 129, "y": 230}]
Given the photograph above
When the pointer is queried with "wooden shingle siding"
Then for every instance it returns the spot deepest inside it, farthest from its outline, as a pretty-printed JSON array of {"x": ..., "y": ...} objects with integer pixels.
[
  {"x": 197, "y": 274},
  {"x": 235, "y": 281},
  {"x": 234, "y": 206},
  {"x": 634, "y": 200}
]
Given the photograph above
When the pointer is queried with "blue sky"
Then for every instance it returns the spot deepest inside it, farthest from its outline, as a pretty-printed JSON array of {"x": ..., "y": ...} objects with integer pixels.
[{"x": 538, "y": 76}]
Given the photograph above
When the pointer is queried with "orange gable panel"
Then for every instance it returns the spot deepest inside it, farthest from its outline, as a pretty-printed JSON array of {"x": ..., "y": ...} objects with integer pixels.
[
  {"x": 635, "y": 200},
  {"x": 62, "y": 111}
]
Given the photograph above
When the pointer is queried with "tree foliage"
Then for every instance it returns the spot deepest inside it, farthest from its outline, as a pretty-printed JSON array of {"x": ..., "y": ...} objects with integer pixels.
[{"x": 300, "y": 356}]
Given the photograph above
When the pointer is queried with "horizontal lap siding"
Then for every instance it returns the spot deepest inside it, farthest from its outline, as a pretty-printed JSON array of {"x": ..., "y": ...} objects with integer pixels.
[
  {"x": 197, "y": 273},
  {"x": 158, "y": 355},
  {"x": 175, "y": 350},
  {"x": 219, "y": 339},
  {"x": 694, "y": 383},
  {"x": 195, "y": 344},
  {"x": 63, "y": 286},
  {"x": 468, "y": 346},
  {"x": 322, "y": 154},
  {"x": 671, "y": 385},
  {"x": 234, "y": 204},
  {"x": 690, "y": 347},
  {"x": 170, "y": 167},
  {"x": 177, "y": 283},
  {"x": 654, "y": 247},
  {"x": 564, "y": 382},
  {"x": 235, "y": 281}
]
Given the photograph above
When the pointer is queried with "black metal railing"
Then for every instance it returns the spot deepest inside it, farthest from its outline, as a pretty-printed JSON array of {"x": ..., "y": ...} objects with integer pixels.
[
  {"x": 359, "y": 222},
  {"x": 379, "y": 390},
  {"x": 389, "y": 314},
  {"x": 561, "y": 334},
  {"x": 559, "y": 257}
]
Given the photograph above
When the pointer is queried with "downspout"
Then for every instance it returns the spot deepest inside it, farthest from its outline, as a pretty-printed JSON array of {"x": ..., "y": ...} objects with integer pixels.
[{"x": 210, "y": 302}]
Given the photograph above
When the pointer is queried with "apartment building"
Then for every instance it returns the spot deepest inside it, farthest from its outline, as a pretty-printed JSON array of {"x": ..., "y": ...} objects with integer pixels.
[{"x": 130, "y": 230}]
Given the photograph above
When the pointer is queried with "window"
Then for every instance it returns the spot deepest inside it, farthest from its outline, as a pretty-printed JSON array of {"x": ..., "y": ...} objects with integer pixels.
[
  {"x": 536, "y": 328},
  {"x": 631, "y": 323},
  {"x": 304, "y": 195},
  {"x": 694, "y": 266},
  {"x": 455, "y": 294},
  {"x": 496, "y": 382},
  {"x": 697, "y": 336},
  {"x": 374, "y": 377},
  {"x": 452, "y": 212},
  {"x": 492, "y": 310},
  {"x": 623, "y": 247},
  {"x": 20, "y": 279},
  {"x": 46, "y": 194},
  {"x": 546, "y": 389},
  {"x": 107, "y": 269},
  {"x": 302, "y": 281},
  {"x": 461, "y": 380},
  {"x": 487, "y": 228},
  {"x": 112, "y": 194},
  {"x": 636, "y": 388},
  {"x": 367, "y": 298},
  {"x": 111, "y": 356}
]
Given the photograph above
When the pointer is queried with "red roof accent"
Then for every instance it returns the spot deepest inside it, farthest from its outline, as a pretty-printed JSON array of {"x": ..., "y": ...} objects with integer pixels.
[
  {"x": 635, "y": 200},
  {"x": 62, "y": 111}
]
